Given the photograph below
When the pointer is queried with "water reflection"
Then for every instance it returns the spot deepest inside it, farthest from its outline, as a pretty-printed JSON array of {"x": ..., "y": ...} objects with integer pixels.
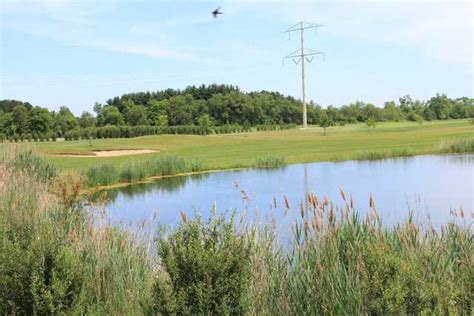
[
  {"x": 157, "y": 186},
  {"x": 427, "y": 186}
]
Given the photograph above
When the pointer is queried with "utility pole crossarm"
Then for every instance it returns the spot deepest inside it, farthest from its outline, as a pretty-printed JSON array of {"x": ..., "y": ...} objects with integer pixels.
[
  {"x": 300, "y": 55},
  {"x": 302, "y": 26}
]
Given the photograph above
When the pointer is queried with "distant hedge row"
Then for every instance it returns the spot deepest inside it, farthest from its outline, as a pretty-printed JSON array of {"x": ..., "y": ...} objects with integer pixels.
[
  {"x": 135, "y": 131},
  {"x": 112, "y": 131}
]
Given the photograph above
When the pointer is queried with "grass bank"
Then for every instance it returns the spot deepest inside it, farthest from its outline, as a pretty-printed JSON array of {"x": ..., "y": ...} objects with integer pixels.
[
  {"x": 242, "y": 150},
  {"x": 109, "y": 174},
  {"x": 57, "y": 259}
]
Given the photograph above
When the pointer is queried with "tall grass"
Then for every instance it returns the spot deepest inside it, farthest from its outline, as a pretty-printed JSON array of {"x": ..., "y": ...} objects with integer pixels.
[
  {"x": 343, "y": 264},
  {"x": 57, "y": 259},
  {"x": 106, "y": 174},
  {"x": 18, "y": 159},
  {"x": 382, "y": 154},
  {"x": 270, "y": 161},
  {"x": 457, "y": 146}
]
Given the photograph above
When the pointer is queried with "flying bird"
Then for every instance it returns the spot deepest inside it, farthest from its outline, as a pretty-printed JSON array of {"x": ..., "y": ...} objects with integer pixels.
[{"x": 216, "y": 12}]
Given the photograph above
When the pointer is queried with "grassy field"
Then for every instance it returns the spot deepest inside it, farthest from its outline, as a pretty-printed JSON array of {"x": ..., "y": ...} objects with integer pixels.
[{"x": 243, "y": 150}]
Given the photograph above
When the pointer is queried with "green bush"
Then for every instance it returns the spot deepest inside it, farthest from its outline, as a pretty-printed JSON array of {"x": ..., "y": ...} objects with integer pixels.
[
  {"x": 53, "y": 260},
  {"x": 208, "y": 269}
]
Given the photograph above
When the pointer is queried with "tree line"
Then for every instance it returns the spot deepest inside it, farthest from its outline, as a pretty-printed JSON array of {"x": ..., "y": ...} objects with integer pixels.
[{"x": 209, "y": 109}]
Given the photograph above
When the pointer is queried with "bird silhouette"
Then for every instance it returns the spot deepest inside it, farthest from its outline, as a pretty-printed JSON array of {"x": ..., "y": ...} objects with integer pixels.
[{"x": 216, "y": 12}]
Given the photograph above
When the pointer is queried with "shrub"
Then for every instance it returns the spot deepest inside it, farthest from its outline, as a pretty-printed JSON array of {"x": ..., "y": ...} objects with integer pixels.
[
  {"x": 207, "y": 267},
  {"x": 54, "y": 261}
]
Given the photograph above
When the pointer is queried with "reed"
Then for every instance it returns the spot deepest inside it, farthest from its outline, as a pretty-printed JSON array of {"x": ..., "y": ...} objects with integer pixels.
[
  {"x": 457, "y": 146},
  {"x": 56, "y": 257},
  {"x": 270, "y": 161},
  {"x": 382, "y": 154},
  {"x": 107, "y": 174}
]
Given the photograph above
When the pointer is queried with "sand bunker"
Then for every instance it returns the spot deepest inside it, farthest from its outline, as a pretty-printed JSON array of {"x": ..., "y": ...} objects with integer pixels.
[{"x": 111, "y": 153}]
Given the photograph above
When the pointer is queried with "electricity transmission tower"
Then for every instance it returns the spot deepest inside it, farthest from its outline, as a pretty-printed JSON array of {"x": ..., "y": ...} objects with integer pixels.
[{"x": 303, "y": 54}]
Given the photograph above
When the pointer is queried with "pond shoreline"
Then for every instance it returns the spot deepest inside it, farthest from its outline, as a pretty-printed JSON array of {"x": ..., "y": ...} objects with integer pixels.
[{"x": 150, "y": 179}]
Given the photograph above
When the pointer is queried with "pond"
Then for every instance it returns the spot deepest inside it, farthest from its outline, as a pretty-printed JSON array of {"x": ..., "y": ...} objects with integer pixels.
[{"x": 427, "y": 186}]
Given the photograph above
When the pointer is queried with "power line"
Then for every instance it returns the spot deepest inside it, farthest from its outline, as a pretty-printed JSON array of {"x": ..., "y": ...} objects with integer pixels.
[{"x": 301, "y": 55}]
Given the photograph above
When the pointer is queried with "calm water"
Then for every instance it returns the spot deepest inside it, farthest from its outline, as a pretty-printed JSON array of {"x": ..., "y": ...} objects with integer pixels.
[{"x": 427, "y": 185}]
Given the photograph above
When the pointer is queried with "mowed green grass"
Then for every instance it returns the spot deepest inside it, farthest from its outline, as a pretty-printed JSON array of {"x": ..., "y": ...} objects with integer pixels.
[{"x": 242, "y": 150}]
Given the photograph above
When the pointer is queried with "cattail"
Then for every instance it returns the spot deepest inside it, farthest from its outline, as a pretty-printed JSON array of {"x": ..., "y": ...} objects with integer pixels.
[
  {"x": 301, "y": 210},
  {"x": 326, "y": 200},
  {"x": 274, "y": 202},
  {"x": 287, "y": 203},
  {"x": 461, "y": 212},
  {"x": 316, "y": 224},
  {"x": 371, "y": 202},
  {"x": 274, "y": 223},
  {"x": 331, "y": 215},
  {"x": 306, "y": 228},
  {"x": 315, "y": 201},
  {"x": 184, "y": 218},
  {"x": 343, "y": 195}
]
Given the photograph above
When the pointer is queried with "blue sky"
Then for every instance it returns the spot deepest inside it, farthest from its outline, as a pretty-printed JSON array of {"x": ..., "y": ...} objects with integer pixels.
[{"x": 74, "y": 52}]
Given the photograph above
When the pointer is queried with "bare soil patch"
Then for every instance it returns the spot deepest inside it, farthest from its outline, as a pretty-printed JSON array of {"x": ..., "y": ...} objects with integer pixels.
[{"x": 111, "y": 153}]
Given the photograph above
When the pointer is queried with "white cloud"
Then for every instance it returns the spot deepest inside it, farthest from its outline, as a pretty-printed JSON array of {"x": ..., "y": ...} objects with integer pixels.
[{"x": 441, "y": 29}]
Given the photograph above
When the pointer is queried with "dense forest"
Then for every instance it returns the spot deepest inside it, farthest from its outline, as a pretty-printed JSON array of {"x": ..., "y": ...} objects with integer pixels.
[{"x": 209, "y": 109}]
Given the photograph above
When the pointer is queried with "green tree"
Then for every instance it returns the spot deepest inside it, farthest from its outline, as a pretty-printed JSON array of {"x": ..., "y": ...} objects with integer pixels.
[
  {"x": 20, "y": 118},
  {"x": 205, "y": 123},
  {"x": 110, "y": 115},
  {"x": 7, "y": 124},
  {"x": 392, "y": 112},
  {"x": 97, "y": 108},
  {"x": 325, "y": 121},
  {"x": 135, "y": 114},
  {"x": 441, "y": 106},
  {"x": 162, "y": 121},
  {"x": 40, "y": 120},
  {"x": 64, "y": 121},
  {"x": 371, "y": 122},
  {"x": 86, "y": 120},
  {"x": 154, "y": 109},
  {"x": 180, "y": 110}
]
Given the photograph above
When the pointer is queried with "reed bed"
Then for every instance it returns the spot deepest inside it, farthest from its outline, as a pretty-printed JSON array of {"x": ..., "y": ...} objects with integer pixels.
[
  {"x": 382, "y": 154},
  {"x": 457, "y": 146},
  {"x": 106, "y": 174},
  {"x": 56, "y": 258},
  {"x": 270, "y": 161}
]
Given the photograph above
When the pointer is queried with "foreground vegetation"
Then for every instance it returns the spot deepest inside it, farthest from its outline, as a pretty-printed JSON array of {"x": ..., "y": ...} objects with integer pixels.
[{"x": 55, "y": 258}]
